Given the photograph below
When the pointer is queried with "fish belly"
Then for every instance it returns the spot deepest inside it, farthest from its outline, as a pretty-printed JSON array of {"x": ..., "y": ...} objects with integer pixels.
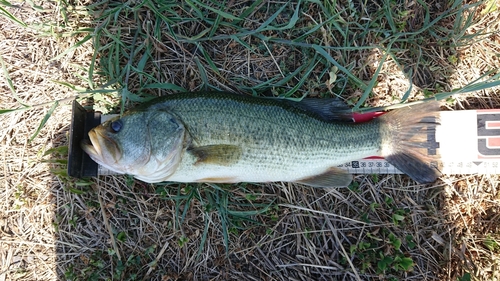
[{"x": 258, "y": 165}]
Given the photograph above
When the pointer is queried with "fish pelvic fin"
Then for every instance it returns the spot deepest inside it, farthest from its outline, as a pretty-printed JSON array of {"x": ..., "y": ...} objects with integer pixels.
[
  {"x": 333, "y": 177},
  {"x": 409, "y": 140}
]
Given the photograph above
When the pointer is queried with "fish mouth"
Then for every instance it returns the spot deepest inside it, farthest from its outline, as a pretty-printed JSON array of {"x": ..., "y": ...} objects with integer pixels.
[
  {"x": 101, "y": 148},
  {"x": 87, "y": 146},
  {"x": 92, "y": 147}
]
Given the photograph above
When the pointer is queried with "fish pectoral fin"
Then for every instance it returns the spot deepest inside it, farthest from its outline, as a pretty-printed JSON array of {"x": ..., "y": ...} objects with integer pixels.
[
  {"x": 333, "y": 177},
  {"x": 220, "y": 154}
]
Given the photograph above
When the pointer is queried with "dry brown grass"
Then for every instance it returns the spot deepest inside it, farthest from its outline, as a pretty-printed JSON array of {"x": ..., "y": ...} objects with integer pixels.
[{"x": 51, "y": 228}]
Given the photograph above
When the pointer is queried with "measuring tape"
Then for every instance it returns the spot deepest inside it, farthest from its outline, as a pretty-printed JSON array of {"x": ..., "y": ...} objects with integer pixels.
[
  {"x": 469, "y": 143},
  {"x": 380, "y": 166}
]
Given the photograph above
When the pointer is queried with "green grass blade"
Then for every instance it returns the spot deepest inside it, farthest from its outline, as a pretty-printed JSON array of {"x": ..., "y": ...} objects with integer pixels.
[
  {"x": 293, "y": 21},
  {"x": 144, "y": 59},
  {"x": 97, "y": 45},
  {"x": 4, "y": 111},
  {"x": 6, "y": 3},
  {"x": 209, "y": 60},
  {"x": 248, "y": 11},
  {"x": 204, "y": 236},
  {"x": 69, "y": 85},
  {"x": 197, "y": 11},
  {"x": 243, "y": 43},
  {"x": 192, "y": 193},
  {"x": 102, "y": 90},
  {"x": 304, "y": 77},
  {"x": 388, "y": 15},
  {"x": 38, "y": 8},
  {"x": 222, "y": 203},
  {"x": 271, "y": 82},
  {"x": 164, "y": 86},
  {"x": 356, "y": 80},
  {"x": 215, "y": 26},
  {"x": 44, "y": 120},
  {"x": 78, "y": 44},
  {"x": 370, "y": 86},
  {"x": 265, "y": 24},
  {"x": 142, "y": 74},
  {"x": 314, "y": 29},
  {"x": 410, "y": 87},
  {"x": 469, "y": 88},
  {"x": 10, "y": 16},
  {"x": 9, "y": 82},
  {"x": 203, "y": 73},
  {"x": 218, "y": 12},
  {"x": 127, "y": 95},
  {"x": 492, "y": 82},
  {"x": 427, "y": 13}
]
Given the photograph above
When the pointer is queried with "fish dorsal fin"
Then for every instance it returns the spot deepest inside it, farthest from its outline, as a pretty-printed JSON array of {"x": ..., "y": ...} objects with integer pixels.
[
  {"x": 220, "y": 154},
  {"x": 328, "y": 109},
  {"x": 333, "y": 177}
]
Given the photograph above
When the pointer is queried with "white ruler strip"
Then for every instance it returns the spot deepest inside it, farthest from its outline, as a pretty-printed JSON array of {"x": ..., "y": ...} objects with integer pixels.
[
  {"x": 369, "y": 166},
  {"x": 469, "y": 143},
  {"x": 380, "y": 166}
]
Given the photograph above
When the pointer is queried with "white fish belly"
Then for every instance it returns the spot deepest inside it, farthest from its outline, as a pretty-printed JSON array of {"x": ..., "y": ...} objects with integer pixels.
[{"x": 266, "y": 167}]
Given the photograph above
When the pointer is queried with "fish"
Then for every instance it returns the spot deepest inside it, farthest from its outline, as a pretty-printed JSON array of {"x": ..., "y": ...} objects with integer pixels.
[{"x": 229, "y": 138}]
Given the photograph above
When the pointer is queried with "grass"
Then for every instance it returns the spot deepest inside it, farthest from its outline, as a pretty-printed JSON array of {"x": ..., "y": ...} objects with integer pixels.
[
  {"x": 117, "y": 54},
  {"x": 308, "y": 42}
]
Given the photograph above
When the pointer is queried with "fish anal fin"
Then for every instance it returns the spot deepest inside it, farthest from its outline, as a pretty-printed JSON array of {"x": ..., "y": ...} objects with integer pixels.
[
  {"x": 333, "y": 177},
  {"x": 416, "y": 165},
  {"x": 220, "y": 154}
]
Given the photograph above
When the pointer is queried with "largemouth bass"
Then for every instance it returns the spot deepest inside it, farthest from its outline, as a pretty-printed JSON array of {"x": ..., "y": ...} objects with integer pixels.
[{"x": 228, "y": 138}]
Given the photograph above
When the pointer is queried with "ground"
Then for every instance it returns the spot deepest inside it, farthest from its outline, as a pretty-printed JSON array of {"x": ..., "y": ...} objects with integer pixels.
[{"x": 116, "y": 54}]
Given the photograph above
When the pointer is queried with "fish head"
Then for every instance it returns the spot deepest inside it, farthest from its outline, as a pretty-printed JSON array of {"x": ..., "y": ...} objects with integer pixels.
[{"x": 145, "y": 144}]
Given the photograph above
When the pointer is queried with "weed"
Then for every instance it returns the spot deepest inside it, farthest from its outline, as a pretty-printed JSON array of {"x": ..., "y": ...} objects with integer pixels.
[
  {"x": 381, "y": 255},
  {"x": 491, "y": 243}
]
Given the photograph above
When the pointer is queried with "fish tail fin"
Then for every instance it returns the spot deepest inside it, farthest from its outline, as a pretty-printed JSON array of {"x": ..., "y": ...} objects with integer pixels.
[{"x": 409, "y": 140}]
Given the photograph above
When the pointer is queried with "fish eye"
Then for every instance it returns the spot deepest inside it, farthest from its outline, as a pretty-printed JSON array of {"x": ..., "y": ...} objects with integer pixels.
[{"x": 116, "y": 126}]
